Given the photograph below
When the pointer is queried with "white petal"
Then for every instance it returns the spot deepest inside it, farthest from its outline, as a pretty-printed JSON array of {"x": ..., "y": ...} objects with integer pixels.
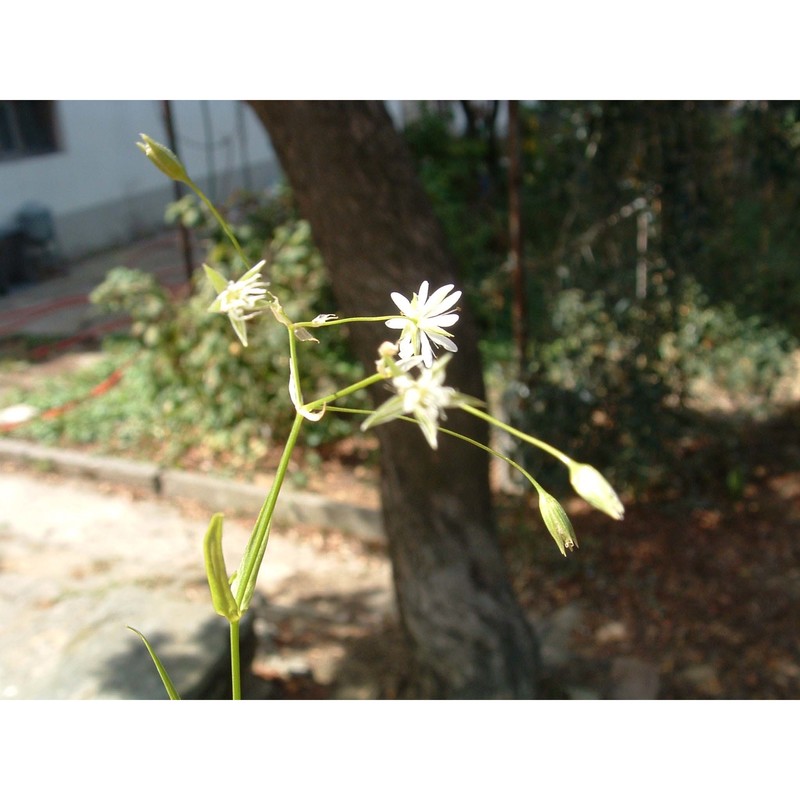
[
  {"x": 443, "y": 341},
  {"x": 423, "y": 293},
  {"x": 441, "y": 321},
  {"x": 403, "y": 303},
  {"x": 429, "y": 428},
  {"x": 439, "y": 301},
  {"x": 396, "y": 322},
  {"x": 426, "y": 350}
]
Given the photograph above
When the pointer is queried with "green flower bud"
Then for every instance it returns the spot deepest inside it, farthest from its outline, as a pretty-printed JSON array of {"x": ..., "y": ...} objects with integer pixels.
[
  {"x": 218, "y": 581},
  {"x": 595, "y": 489},
  {"x": 557, "y": 522},
  {"x": 163, "y": 158}
]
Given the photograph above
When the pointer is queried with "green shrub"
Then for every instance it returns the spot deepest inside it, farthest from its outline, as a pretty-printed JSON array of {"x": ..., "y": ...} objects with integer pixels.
[
  {"x": 623, "y": 384},
  {"x": 204, "y": 385}
]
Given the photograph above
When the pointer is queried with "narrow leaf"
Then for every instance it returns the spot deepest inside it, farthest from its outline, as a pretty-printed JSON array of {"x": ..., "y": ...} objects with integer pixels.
[
  {"x": 172, "y": 692},
  {"x": 251, "y": 563}
]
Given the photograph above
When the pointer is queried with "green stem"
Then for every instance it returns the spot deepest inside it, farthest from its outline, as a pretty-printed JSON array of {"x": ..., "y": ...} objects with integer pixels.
[
  {"x": 218, "y": 217},
  {"x": 254, "y": 553},
  {"x": 492, "y": 452},
  {"x": 330, "y": 398},
  {"x": 312, "y": 324},
  {"x": 456, "y": 435},
  {"x": 562, "y": 457},
  {"x": 236, "y": 674}
]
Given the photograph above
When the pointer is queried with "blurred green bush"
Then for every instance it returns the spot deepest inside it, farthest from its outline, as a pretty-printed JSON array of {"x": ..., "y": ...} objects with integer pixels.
[
  {"x": 627, "y": 385},
  {"x": 204, "y": 385},
  {"x": 660, "y": 265}
]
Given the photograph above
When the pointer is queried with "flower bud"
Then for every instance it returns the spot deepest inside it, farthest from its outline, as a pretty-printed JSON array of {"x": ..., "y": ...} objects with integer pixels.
[
  {"x": 557, "y": 522},
  {"x": 385, "y": 365},
  {"x": 163, "y": 158},
  {"x": 218, "y": 582},
  {"x": 387, "y": 350},
  {"x": 595, "y": 489}
]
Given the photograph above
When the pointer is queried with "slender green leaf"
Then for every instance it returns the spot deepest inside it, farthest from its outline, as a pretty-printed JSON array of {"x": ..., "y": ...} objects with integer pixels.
[
  {"x": 172, "y": 692},
  {"x": 251, "y": 562}
]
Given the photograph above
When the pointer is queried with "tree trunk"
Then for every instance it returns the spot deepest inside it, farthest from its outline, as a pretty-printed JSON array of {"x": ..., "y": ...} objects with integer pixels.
[{"x": 355, "y": 182}]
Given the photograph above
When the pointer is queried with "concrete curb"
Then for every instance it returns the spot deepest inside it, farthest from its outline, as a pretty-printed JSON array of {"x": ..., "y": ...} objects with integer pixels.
[{"x": 217, "y": 494}]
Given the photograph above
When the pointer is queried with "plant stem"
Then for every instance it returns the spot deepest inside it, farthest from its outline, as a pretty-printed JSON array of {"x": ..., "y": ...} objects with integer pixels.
[
  {"x": 312, "y": 324},
  {"x": 456, "y": 435},
  {"x": 256, "y": 546},
  {"x": 236, "y": 673},
  {"x": 218, "y": 217},
  {"x": 562, "y": 457},
  {"x": 330, "y": 398},
  {"x": 491, "y": 451}
]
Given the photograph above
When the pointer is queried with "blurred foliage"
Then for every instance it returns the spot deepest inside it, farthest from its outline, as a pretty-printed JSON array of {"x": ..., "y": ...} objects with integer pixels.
[
  {"x": 204, "y": 385},
  {"x": 660, "y": 259},
  {"x": 661, "y": 287}
]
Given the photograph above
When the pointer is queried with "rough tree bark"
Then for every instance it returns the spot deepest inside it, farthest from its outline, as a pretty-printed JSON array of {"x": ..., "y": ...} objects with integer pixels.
[{"x": 355, "y": 182}]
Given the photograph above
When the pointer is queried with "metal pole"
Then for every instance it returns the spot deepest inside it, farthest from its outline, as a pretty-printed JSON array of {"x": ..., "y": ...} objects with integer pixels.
[{"x": 186, "y": 244}]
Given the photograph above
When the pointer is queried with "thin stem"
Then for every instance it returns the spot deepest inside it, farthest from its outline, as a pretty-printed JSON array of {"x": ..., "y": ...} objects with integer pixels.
[
  {"x": 456, "y": 435},
  {"x": 330, "y": 398},
  {"x": 294, "y": 367},
  {"x": 562, "y": 457},
  {"x": 236, "y": 675},
  {"x": 312, "y": 324},
  {"x": 254, "y": 553},
  {"x": 491, "y": 451},
  {"x": 218, "y": 217}
]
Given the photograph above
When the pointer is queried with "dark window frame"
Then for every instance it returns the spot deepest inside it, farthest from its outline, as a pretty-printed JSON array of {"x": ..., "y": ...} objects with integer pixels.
[{"x": 27, "y": 129}]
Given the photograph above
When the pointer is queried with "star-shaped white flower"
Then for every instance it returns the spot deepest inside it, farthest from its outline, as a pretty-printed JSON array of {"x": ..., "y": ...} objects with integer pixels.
[
  {"x": 425, "y": 397},
  {"x": 241, "y": 300},
  {"x": 424, "y": 320}
]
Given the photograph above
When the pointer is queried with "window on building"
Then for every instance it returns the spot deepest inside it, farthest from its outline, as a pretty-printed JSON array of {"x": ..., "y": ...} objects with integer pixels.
[{"x": 27, "y": 128}]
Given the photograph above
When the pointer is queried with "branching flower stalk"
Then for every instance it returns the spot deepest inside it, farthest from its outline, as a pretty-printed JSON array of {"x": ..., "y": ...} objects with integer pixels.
[
  {"x": 411, "y": 368},
  {"x": 585, "y": 479}
]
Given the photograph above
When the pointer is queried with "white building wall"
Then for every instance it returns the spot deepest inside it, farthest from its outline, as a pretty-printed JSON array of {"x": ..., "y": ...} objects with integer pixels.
[{"x": 100, "y": 187}]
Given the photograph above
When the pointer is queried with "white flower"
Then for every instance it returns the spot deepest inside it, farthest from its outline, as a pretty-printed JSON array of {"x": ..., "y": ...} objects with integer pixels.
[
  {"x": 424, "y": 320},
  {"x": 424, "y": 397},
  {"x": 240, "y": 300}
]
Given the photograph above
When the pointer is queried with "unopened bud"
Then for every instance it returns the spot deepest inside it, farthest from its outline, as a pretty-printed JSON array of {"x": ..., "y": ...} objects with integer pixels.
[
  {"x": 557, "y": 522},
  {"x": 385, "y": 365},
  {"x": 595, "y": 489},
  {"x": 388, "y": 350},
  {"x": 163, "y": 158}
]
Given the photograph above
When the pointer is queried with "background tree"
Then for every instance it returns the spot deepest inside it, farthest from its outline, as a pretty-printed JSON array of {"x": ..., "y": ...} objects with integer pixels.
[{"x": 355, "y": 181}]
